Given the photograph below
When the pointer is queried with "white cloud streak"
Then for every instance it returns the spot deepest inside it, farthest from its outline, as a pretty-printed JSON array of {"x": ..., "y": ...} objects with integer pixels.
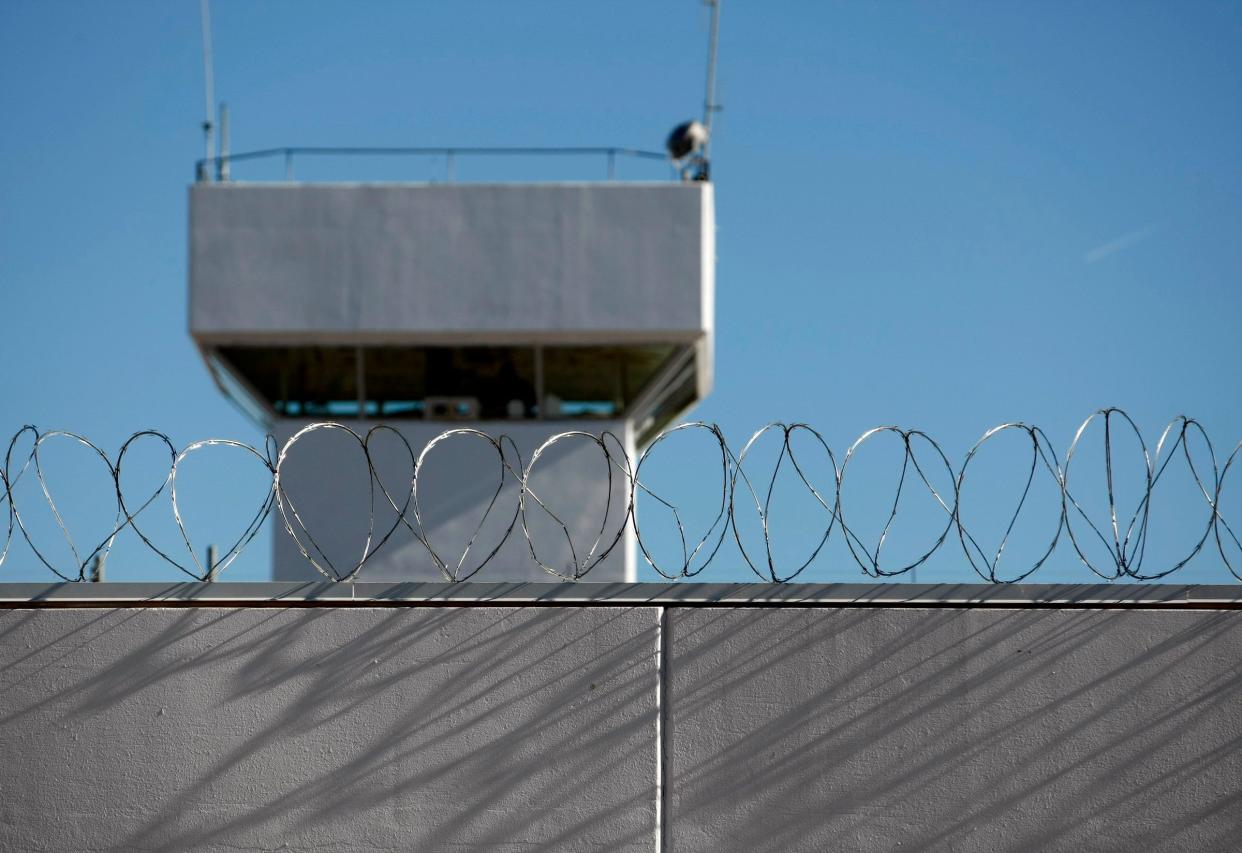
[{"x": 1122, "y": 243}]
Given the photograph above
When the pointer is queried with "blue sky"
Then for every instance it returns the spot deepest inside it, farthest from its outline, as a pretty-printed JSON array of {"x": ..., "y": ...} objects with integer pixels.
[{"x": 943, "y": 217}]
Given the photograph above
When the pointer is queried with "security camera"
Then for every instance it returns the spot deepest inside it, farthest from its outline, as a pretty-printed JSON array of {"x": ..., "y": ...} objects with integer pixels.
[{"x": 686, "y": 139}]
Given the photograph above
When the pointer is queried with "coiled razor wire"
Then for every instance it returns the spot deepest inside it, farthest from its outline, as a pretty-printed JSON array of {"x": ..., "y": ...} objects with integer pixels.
[{"x": 1124, "y": 538}]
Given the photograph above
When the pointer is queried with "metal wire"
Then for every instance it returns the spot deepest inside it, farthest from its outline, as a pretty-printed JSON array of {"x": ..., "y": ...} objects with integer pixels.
[{"x": 1123, "y": 538}]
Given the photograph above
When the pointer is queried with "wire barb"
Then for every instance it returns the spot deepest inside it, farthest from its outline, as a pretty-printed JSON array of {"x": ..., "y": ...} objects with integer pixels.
[{"x": 1123, "y": 538}]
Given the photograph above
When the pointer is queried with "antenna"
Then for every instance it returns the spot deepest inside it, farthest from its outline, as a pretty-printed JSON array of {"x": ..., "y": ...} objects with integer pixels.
[
  {"x": 209, "y": 81},
  {"x": 710, "y": 107},
  {"x": 222, "y": 164},
  {"x": 689, "y": 143}
]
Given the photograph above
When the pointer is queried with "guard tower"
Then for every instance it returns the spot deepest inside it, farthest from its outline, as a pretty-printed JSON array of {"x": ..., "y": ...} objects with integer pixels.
[{"x": 524, "y": 309}]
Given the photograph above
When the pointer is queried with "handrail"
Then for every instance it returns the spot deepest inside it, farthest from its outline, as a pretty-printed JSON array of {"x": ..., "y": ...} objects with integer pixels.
[{"x": 220, "y": 165}]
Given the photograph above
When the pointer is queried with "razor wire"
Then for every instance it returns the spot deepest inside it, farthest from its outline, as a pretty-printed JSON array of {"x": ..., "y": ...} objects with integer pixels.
[{"x": 742, "y": 493}]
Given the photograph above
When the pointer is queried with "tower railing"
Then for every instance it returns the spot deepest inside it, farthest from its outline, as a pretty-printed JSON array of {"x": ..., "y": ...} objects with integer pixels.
[{"x": 219, "y": 168}]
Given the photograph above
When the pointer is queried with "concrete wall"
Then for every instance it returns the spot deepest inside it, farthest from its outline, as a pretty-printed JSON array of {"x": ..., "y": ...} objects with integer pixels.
[
  {"x": 502, "y": 728},
  {"x": 947, "y": 729},
  {"x": 428, "y": 263},
  {"x": 498, "y": 730},
  {"x": 326, "y": 477}
]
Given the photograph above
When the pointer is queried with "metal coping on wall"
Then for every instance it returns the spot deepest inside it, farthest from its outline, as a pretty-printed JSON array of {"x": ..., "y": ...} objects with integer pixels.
[{"x": 507, "y": 594}]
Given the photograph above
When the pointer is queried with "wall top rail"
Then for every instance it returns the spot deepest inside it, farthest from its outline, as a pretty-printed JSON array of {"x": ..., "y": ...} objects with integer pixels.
[{"x": 582, "y": 594}]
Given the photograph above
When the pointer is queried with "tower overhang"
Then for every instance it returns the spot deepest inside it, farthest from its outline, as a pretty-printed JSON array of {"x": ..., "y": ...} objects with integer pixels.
[{"x": 457, "y": 301}]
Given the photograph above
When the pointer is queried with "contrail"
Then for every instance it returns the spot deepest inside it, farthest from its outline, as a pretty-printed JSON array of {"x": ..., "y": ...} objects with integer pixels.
[{"x": 1125, "y": 241}]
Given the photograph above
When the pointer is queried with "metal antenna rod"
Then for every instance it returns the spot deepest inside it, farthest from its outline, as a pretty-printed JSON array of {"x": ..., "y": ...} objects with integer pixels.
[
  {"x": 209, "y": 81},
  {"x": 710, "y": 107},
  {"x": 222, "y": 164}
]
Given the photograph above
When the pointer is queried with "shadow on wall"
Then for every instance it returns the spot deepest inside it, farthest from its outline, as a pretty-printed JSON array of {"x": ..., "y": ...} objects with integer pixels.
[
  {"x": 956, "y": 729},
  {"x": 429, "y": 729},
  {"x": 516, "y": 729}
]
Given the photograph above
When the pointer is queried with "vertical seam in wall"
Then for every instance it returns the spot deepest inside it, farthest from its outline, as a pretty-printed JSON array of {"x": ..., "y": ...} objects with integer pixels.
[{"x": 662, "y": 730}]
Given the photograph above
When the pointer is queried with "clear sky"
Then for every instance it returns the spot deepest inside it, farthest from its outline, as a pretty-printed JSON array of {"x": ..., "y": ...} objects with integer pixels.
[{"x": 941, "y": 216}]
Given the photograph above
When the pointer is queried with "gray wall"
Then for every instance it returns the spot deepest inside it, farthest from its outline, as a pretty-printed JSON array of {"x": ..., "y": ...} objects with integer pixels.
[
  {"x": 473, "y": 728},
  {"x": 411, "y": 262},
  {"x": 352, "y": 730},
  {"x": 979, "y": 730}
]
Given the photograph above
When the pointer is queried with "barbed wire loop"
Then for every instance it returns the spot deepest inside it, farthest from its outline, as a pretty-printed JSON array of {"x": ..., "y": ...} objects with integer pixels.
[
  {"x": 1043, "y": 458},
  {"x": 1181, "y": 426},
  {"x": 1123, "y": 548},
  {"x": 713, "y": 537},
  {"x": 35, "y": 458},
  {"x": 505, "y": 469},
  {"x": 256, "y": 522},
  {"x": 614, "y": 457},
  {"x": 764, "y": 508},
  {"x": 290, "y": 515},
  {"x": 869, "y": 559}
]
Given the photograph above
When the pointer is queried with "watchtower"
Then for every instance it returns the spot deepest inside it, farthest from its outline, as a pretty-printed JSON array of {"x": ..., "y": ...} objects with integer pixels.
[{"x": 522, "y": 309}]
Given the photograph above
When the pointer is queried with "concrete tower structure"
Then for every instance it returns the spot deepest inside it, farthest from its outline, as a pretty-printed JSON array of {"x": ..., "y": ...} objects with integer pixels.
[{"x": 518, "y": 309}]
